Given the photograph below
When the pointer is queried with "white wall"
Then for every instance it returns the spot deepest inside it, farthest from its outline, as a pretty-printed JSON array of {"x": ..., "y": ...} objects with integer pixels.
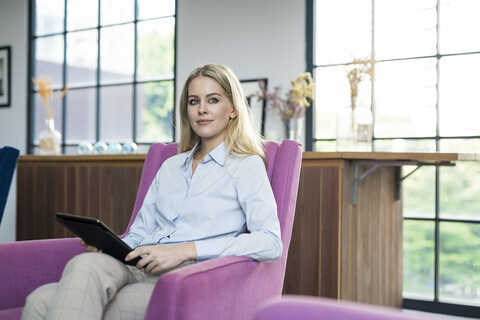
[
  {"x": 13, "y": 120},
  {"x": 257, "y": 39}
]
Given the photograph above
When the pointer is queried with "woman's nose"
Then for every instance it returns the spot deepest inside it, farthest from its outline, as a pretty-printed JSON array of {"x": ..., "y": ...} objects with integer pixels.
[{"x": 202, "y": 108}]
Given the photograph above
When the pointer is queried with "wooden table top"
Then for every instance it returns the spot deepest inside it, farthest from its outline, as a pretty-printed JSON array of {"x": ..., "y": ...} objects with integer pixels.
[
  {"x": 392, "y": 156},
  {"x": 308, "y": 155}
]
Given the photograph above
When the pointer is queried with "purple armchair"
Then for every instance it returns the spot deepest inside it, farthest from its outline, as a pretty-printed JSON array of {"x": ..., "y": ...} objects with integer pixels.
[
  {"x": 311, "y": 308},
  {"x": 223, "y": 288}
]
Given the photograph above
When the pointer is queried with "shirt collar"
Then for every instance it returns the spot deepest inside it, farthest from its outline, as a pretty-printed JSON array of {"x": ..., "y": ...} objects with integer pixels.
[{"x": 219, "y": 154}]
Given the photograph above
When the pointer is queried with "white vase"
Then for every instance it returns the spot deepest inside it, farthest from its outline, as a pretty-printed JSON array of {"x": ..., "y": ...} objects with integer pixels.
[
  {"x": 354, "y": 129},
  {"x": 50, "y": 139}
]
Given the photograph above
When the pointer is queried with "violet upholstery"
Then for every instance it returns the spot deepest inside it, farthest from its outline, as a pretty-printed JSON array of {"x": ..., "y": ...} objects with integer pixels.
[
  {"x": 222, "y": 288},
  {"x": 312, "y": 308}
]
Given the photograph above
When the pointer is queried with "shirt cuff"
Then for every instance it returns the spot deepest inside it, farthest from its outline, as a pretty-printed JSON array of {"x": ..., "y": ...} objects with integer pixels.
[{"x": 206, "y": 249}]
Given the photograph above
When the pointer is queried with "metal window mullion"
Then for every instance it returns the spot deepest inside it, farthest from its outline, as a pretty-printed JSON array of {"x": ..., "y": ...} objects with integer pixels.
[
  {"x": 31, "y": 67},
  {"x": 437, "y": 173},
  {"x": 174, "y": 114},
  {"x": 64, "y": 75},
  {"x": 309, "y": 114},
  {"x": 373, "y": 105},
  {"x": 135, "y": 64},
  {"x": 437, "y": 239},
  {"x": 97, "y": 87}
]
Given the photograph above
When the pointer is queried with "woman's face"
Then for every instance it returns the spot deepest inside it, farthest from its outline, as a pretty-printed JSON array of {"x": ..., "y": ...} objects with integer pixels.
[{"x": 209, "y": 110}]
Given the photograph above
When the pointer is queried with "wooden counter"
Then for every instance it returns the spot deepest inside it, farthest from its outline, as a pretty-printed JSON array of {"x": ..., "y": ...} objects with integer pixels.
[
  {"x": 350, "y": 251},
  {"x": 339, "y": 249},
  {"x": 96, "y": 186}
]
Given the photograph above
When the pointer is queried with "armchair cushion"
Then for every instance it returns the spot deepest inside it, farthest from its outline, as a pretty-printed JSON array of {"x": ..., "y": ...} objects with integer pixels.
[
  {"x": 313, "y": 308},
  {"x": 26, "y": 265}
]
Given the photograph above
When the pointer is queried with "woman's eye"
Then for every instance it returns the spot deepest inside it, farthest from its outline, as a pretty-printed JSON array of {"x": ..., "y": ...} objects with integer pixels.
[
  {"x": 193, "y": 102},
  {"x": 213, "y": 100}
]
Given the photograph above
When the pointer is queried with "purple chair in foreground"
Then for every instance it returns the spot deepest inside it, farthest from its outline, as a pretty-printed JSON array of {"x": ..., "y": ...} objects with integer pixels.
[
  {"x": 312, "y": 308},
  {"x": 222, "y": 288}
]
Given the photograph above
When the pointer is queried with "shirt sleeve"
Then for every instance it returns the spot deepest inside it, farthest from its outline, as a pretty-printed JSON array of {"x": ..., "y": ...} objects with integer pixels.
[
  {"x": 145, "y": 217},
  {"x": 263, "y": 241}
]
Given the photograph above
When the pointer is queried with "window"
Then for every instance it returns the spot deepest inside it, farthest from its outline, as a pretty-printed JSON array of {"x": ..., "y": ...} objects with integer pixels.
[
  {"x": 117, "y": 58},
  {"x": 423, "y": 98}
]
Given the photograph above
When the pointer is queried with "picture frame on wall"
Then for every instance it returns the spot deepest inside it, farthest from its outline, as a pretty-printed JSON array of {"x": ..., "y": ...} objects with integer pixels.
[
  {"x": 5, "y": 76},
  {"x": 251, "y": 87}
]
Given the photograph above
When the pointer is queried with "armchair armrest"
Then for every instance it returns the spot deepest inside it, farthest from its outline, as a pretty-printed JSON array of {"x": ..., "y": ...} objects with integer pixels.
[
  {"x": 26, "y": 265},
  {"x": 213, "y": 289}
]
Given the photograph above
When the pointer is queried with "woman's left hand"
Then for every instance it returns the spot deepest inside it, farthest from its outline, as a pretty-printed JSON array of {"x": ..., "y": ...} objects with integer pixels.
[{"x": 160, "y": 257}]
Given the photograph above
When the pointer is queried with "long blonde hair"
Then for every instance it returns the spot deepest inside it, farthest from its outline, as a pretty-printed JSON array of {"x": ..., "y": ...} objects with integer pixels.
[{"x": 241, "y": 139}]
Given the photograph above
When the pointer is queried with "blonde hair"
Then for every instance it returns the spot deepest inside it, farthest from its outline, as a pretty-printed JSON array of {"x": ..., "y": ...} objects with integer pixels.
[{"x": 241, "y": 139}]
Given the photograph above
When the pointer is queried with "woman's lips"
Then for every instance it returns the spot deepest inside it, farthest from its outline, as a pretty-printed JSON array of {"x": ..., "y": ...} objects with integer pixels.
[{"x": 204, "y": 122}]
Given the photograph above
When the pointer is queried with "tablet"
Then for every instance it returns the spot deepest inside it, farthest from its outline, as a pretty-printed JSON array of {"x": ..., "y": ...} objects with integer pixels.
[{"x": 95, "y": 233}]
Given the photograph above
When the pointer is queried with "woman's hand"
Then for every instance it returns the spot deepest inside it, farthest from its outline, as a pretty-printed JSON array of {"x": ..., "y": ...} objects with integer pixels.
[
  {"x": 161, "y": 257},
  {"x": 89, "y": 248}
]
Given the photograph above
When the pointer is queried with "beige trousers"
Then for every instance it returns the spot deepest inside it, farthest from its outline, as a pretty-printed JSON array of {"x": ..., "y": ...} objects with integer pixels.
[{"x": 94, "y": 286}]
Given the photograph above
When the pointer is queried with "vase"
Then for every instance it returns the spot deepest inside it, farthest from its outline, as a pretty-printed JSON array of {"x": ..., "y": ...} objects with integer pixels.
[
  {"x": 293, "y": 129},
  {"x": 354, "y": 129},
  {"x": 50, "y": 139}
]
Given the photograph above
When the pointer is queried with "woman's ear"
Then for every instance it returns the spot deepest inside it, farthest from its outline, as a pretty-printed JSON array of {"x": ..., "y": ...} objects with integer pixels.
[{"x": 233, "y": 113}]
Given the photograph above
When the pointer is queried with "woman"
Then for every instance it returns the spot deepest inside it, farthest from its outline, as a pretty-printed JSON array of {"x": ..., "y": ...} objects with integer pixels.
[{"x": 213, "y": 199}]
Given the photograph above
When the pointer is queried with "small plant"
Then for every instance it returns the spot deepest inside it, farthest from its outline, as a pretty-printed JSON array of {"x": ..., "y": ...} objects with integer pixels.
[
  {"x": 361, "y": 67},
  {"x": 296, "y": 99},
  {"x": 44, "y": 84}
]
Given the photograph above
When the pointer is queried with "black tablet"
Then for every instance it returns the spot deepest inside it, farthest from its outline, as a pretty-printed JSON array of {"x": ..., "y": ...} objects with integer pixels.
[{"x": 95, "y": 233}]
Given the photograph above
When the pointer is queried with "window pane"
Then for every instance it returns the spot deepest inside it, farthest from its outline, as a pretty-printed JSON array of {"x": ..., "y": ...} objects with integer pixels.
[
  {"x": 49, "y": 59},
  {"x": 325, "y": 146},
  {"x": 332, "y": 95},
  {"x": 40, "y": 115},
  {"x": 156, "y": 46},
  {"x": 396, "y": 39},
  {"x": 405, "y": 145},
  {"x": 155, "y": 112},
  {"x": 82, "y": 14},
  {"x": 405, "y": 96},
  {"x": 82, "y": 58},
  {"x": 81, "y": 115},
  {"x": 155, "y": 8},
  {"x": 418, "y": 259},
  {"x": 460, "y": 191},
  {"x": 459, "y": 260},
  {"x": 459, "y": 187},
  {"x": 116, "y": 11},
  {"x": 459, "y": 83},
  {"x": 459, "y": 25},
  {"x": 418, "y": 192},
  {"x": 116, "y": 113},
  {"x": 460, "y": 145},
  {"x": 343, "y": 30},
  {"x": 116, "y": 53},
  {"x": 49, "y": 16}
]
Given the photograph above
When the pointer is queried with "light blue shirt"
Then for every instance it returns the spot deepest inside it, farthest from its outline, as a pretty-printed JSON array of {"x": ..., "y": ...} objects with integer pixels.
[{"x": 226, "y": 207}]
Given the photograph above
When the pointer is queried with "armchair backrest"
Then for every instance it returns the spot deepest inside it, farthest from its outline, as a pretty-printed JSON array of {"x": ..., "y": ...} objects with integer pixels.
[
  {"x": 284, "y": 161},
  {"x": 204, "y": 290},
  {"x": 8, "y": 163}
]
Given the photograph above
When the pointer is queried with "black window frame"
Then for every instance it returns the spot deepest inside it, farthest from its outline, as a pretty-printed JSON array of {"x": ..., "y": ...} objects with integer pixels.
[
  {"x": 434, "y": 306},
  {"x": 135, "y": 83}
]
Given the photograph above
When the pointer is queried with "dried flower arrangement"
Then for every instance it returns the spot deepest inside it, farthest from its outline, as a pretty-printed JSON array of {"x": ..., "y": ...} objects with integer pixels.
[
  {"x": 44, "y": 84},
  {"x": 355, "y": 75},
  {"x": 296, "y": 99}
]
